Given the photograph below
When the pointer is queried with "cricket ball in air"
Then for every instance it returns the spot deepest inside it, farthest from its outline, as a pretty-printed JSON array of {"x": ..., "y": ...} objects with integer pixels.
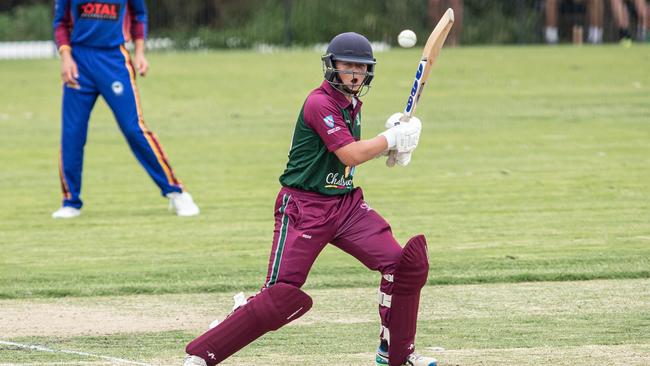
[{"x": 407, "y": 38}]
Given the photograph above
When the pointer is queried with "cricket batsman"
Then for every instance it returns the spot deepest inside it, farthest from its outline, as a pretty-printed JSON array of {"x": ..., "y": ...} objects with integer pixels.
[
  {"x": 319, "y": 204},
  {"x": 90, "y": 36}
]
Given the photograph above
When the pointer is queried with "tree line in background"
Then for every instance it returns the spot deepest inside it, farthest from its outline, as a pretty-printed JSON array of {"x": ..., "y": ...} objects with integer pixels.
[{"x": 243, "y": 23}]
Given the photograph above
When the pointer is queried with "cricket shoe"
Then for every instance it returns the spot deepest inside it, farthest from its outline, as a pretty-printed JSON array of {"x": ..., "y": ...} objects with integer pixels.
[
  {"x": 412, "y": 360},
  {"x": 382, "y": 354},
  {"x": 66, "y": 212},
  {"x": 183, "y": 204},
  {"x": 194, "y": 361},
  {"x": 416, "y": 360}
]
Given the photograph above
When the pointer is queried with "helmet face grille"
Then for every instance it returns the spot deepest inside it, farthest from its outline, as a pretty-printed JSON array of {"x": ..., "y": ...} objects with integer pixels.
[{"x": 331, "y": 75}]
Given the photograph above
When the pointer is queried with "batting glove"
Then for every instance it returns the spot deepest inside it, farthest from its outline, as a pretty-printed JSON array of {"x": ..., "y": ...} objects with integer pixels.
[{"x": 406, "y": 135}]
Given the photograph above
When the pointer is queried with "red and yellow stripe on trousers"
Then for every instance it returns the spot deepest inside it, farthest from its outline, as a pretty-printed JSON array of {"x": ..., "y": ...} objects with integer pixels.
[
  {"x": 64, "y": 185},
  {"x": 149, "y": 136}
]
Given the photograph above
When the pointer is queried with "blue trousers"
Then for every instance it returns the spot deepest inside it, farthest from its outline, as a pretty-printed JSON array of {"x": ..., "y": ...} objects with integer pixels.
[{"x": 107, "y": 72}]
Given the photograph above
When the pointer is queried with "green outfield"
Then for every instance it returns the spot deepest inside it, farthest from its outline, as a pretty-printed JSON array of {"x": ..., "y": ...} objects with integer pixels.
[{"x": 531, "y": 183}]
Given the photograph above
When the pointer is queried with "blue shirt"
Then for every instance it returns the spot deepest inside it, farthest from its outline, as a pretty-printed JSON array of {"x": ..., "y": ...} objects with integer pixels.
[{"x": 100, "y": 24}]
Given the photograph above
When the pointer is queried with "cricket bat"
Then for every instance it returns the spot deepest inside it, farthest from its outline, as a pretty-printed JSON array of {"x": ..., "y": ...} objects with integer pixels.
[{"x": 429, "y": 55}]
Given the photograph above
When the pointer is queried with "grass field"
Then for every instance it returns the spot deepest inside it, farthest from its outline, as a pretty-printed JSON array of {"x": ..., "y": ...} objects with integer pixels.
[{"x": 531, "y": 183}]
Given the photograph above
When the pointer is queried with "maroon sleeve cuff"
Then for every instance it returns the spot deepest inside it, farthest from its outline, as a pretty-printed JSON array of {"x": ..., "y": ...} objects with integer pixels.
[
  {"x": 138, "y": 30},
  {"x": 62, "y": 35}
]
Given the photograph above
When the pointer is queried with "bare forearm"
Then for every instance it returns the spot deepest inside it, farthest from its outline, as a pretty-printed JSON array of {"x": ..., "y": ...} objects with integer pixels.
[
  {"x": 359, "y": 152},
  {"x": 139, "y": 46},
  {"x": 140, "y": 60}
]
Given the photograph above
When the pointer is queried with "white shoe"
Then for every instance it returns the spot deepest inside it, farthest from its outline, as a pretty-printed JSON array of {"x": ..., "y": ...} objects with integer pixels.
[
  {"x": 194, "y": 361},
  {"x": 551, "y": 36},
  {"x": 183, "y": 204},
  {"x": 416, "y": 360},
  {"x": 66, "y": 212},
  {"x": 381, "y": 359}
]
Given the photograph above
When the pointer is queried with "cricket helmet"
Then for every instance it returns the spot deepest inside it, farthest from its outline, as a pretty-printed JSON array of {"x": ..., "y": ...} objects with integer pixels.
[{"x": 348, "y": 47}]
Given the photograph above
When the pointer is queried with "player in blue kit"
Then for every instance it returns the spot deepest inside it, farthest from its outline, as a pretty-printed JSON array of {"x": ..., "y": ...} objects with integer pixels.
[{"x": 90, "y": 36}]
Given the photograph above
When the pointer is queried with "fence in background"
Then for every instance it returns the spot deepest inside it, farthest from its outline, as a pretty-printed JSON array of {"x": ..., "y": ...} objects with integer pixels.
[
  {"x": 26, "y": 50},
  {"x": 191, "y": 24}
]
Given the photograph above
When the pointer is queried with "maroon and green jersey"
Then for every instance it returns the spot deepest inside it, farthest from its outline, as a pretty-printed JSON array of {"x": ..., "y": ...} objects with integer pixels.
[{"x": 327, "y": 122}]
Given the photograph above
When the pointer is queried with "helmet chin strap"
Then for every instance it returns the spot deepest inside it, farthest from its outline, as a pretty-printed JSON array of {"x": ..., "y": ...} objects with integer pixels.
[
  {"x": 338, "y": 84},
  {"x": 348, "y": 90}
]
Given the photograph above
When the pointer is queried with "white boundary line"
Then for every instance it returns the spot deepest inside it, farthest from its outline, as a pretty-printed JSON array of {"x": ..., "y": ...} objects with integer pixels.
[
  {"x": 69, "y": 363},
  {"x": 46, "y": 349}
]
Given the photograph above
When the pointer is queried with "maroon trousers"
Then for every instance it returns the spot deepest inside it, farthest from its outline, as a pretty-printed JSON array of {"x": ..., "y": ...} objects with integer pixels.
[{"x": 306, "y": 221}]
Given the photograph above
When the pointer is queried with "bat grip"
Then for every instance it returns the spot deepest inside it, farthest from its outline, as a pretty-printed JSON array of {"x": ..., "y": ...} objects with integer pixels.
[
  {"x": 392, "y": 158},
  {"x": 405, "y": 118}
]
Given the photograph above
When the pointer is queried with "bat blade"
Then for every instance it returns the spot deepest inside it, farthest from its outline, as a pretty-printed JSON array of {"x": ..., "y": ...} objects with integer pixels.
[{"x": 429, "y": 55}]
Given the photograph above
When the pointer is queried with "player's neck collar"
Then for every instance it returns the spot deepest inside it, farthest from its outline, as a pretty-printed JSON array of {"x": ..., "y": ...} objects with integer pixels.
[{"x": 338, "y": 95}]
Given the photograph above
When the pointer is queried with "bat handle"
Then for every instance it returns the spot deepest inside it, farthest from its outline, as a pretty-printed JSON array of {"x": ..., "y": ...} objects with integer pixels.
[
  {"x": 405, "y": 117},
  {"x": 392, "y": 158}
]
